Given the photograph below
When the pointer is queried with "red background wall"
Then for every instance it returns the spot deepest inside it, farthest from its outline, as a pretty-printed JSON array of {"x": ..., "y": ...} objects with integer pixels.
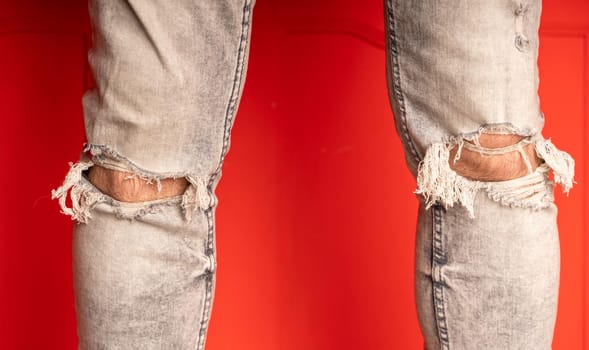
[{"x": 316, "y": 217}]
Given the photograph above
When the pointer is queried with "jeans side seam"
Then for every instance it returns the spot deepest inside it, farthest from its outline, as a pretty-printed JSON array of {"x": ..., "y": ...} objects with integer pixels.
[
  {"x": 237, "y": 84},
  {"x": 229, "y": 116},
  {"x": 398, "y": 92},
  {"x": 210, "y": 271},
  {"x": 439, "y": 259}
]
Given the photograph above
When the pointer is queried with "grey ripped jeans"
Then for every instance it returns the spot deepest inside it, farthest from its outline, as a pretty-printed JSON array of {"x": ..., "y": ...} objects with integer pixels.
[{"x": 169, "y": 76}]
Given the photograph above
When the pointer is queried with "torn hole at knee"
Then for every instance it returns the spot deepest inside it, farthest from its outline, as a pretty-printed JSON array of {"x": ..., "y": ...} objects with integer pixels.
[
  {"x": 104, "y": 176},
  {"x": 494, "y": 157},
  {"x": 128, "y": 187},
  {"x": 511, "y": 169}
]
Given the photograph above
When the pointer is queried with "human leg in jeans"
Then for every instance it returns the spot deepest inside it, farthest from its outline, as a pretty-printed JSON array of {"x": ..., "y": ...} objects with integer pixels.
[
  {"x": 169, "y": 76},
  {"x": 463, "y": 82}
]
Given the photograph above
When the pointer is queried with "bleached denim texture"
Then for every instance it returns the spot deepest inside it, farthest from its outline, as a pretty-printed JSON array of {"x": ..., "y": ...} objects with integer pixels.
[
  {"x": 168, "y": 80},
  {"x": 169, "y": 76},
  {"x": 487, "y": 253}
]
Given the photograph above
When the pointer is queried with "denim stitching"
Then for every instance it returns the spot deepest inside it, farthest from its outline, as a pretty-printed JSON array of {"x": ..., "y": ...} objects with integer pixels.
[
  {"x": 237, "y": 81},
  {"x": 229, "y": 115},
  {"x": 394, "y": 62},
  {"x": 210, "y": 253},
  {"x": 439, "y": 259}
]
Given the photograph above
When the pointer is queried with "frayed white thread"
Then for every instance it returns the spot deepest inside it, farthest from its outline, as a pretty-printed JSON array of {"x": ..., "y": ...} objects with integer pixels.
[
  {"x": 188, "y": 203},
  {"x": 148, "y": 180},
  {"x": 82, "y": 199},
  {"x": 202, "y": 193},
  {"x": 525, "y": 158},
  {"x": 195, "y": 196},
  {"x": 561, "y": 163},
  {"x": 476, "y": 147},
  {"x": 459, "y": 151},
  {"x": 531, "y": 191},
  {"x": 476, "y": 139},
  {"x": 107, "y": 157},
  {"x": 437, "y": 182}
]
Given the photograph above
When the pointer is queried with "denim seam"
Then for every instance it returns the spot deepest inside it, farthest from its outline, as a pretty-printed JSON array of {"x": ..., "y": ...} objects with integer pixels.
[
  {"x": 439, "y": 259},
  {"x": 229, "y": 115},
  {"x": 237, "y": 83},
  {"x": 394, "y": 62},
  {"x": 210, "y": 271}
]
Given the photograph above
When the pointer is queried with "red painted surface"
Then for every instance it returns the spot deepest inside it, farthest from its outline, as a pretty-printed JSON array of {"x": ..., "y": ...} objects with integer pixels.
[{"x": 316, "y": 217}]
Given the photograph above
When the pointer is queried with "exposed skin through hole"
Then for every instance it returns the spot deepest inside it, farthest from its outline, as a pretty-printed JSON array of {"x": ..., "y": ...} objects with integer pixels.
[
  {"x": 482, "y": 167},
  {"x": 117, "y": 185},
  {"x": 472, "y": 165}
]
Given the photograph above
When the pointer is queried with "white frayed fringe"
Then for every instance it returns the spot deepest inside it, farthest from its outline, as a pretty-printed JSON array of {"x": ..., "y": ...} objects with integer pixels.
[
  {"x": 561, "y": 163},
  {"x": 439, "y": 184},
  {"x": 81, "y": 198},
  {"x": 84, "y": 197},
  {"x": 196, "y": 196}
]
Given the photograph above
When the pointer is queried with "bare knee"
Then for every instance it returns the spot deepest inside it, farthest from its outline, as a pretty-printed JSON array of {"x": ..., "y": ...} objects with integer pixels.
[
  {"x": 126, "y": 187},
  {"x": 486, "y": 161}
]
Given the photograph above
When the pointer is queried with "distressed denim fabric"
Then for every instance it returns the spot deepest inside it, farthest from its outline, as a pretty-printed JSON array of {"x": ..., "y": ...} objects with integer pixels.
[
  {"x": 490, "y": 282},
  {"x": 487, "y": 253},
  {"x": 168, "y": 79},
  {"x": 169, "y": 75}
]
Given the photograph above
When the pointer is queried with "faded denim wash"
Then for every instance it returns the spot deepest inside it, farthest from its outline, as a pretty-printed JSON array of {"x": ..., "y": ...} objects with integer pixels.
[
  {"x": 168, "y": 79},
  {"x": 169, "y": 76},
  {"x": 487, "y": 253}
]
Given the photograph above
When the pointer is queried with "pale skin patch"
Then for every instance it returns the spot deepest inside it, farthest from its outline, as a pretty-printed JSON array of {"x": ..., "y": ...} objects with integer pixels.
[
  {"x": 476, "y": 166},
  {"x": 124, "y": 187}
]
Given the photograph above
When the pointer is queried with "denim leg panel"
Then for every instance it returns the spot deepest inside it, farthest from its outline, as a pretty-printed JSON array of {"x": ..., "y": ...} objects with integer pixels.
[
  {"x": 168, "y": 80},
  {"x": 487, "y": 257},
  {"x": 456, "y": 70},
  {"x": 169, "y": 75},
  {"x": 145, "y": 283},
  {"x": 457, "y": 66},
  {"x": 489, "y": 282}
]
